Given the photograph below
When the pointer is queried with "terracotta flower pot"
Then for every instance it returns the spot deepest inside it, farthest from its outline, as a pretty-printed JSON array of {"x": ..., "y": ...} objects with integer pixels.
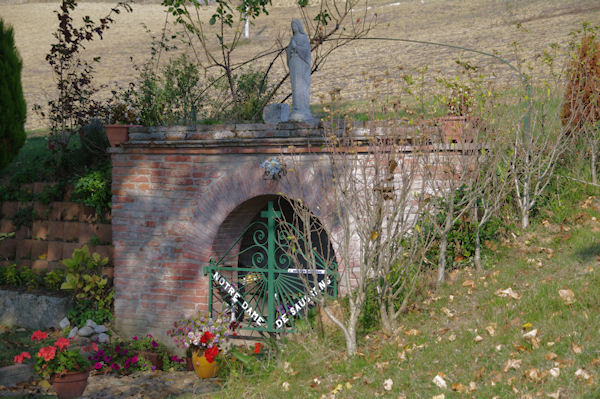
[
  {"x": 117, "y": 134},
  {"x": 189, "y": 364},
  {"x": 458, "y": 129},
  {"x": 71, "y": 385},
  {"x": 203, "y": 368}
]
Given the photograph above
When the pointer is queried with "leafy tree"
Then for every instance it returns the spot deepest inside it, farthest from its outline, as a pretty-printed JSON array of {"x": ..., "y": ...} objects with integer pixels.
[{"x": 13, "y": 109}]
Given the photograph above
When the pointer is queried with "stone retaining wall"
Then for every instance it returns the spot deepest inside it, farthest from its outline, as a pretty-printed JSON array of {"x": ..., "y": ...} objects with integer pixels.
[
  {"x": 30, "y": 310},
  {"x": 58, "y": 229}
]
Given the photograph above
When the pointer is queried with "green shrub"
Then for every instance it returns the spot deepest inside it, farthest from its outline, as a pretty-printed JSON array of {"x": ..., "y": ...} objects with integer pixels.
[
  {"x": 30, "y": 278},
  {"x": 13, "y": 109},
  {"x": 94, "y": 142},
  {"x": 94, "y": 190},
  {"x": 24, "y": 217},
  {"x": 54, "y": 279},
  {"x": 11, "y": 276},
  {"x": 93, "y": 293}
]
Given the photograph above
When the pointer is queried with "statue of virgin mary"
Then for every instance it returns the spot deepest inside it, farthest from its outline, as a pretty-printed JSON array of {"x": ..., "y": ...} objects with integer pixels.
[{"x": 298, "y": 61}]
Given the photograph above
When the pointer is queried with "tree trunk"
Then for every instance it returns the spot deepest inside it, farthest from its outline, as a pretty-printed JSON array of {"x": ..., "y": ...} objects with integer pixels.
[
  {"x": 386, "y": 322},
  {"x": 593, "y": 165},
  {"x": 441, "y": 271},
  {"x": 477, "y": 259},
  {"x": 524, "y": 218}
]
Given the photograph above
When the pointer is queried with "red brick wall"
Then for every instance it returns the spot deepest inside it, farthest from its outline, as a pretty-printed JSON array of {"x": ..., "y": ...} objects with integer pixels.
[{"x": 174, "y": 207}]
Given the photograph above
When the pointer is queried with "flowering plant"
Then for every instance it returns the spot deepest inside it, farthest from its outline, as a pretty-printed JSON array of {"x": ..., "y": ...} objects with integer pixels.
[
  {"x": 54, "y": 359},
  {"x": 200, "y": 333},
  {"x": 116, "y": 358}
]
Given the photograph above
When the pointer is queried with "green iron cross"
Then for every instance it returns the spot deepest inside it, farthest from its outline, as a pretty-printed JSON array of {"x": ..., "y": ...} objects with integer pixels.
[{"x": 270, "y": 214}]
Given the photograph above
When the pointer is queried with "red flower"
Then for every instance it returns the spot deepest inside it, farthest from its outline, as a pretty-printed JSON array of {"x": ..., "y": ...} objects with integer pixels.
[
  {"x": 211, "y": 353},
  {"x": 39, "y": 335},
  {"x": 94, "y": 346},
  {"x": 47, "y": 352},
  {"x": 207, "y": 336},
  {"x": 20, "y": 357},
  {"x": 257, "y": 347},
  {"x": 62, "y": 343}
]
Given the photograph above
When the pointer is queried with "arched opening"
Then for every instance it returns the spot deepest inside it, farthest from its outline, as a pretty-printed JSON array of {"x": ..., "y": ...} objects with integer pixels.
[{"x": 275, "y": 268}]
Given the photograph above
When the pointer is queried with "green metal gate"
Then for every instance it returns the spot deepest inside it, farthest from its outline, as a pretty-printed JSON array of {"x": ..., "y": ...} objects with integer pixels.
[{"x": 263, "y": 289}]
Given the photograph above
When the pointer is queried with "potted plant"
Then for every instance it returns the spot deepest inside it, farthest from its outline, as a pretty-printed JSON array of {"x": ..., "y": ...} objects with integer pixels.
[
  {"x": 148, "y": 348},
  {"x": 459, "y": 125},
  {"x": 66, "y": 369},
  {"x": 122, "y": 115},
  {"x": 202, "y": 335}
]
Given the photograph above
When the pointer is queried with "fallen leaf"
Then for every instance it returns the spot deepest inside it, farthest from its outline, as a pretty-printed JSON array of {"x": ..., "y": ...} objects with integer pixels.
[
  {"x": 490, "y": 330},
  {"x": 388, "y": 384},
  {"x": 582, "y": 374},
  {"x": 472, "y": 386},
  {"x": 469, "y": 283},
  {"x": 440, "y": 382},
  {"x": 458, "y": 387},
  {"x": 448, "y": 312},
  {"x": 554, "y": 395},
  {"x": 382, "y": 365},
  {"x": 567, "y": 296},
  {"x": 440, "y": 396},
  {"x": 508, "y": 293},
  {"x": 478, "y": 338},
  {"x": 498, "y": 348},
  {"x": 551, "y": 356},
  {"x": 451, "y": 337},
  {"x": 533, "y": 374},
  {"x": 554, "y": 372},
  {"x": 412, "y": 332},
  {"x": 285, "y": 386},
  {"x": 531, "y": 334},
  {"x": 512, "y": 364},
  {"x": 577, "y": 349}
]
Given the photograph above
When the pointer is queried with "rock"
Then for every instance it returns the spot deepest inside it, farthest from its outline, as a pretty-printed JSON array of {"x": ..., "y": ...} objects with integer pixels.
[
  {"x": 10, "y": 376},
  {"x": 103, "y": 338},
  {"x": 276, "y": 113},
  {"x": 73, "y": 332},
  {"x": 91, "y": 323},
  {"x": 100, "y": 329},
  {"x": 36, "y": 312},
  {"x": 64, "y": 323},
  {"x": 85, "y": 331}
]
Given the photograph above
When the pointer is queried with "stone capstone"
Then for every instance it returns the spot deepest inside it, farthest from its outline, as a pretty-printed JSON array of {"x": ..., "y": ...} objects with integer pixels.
[
  {"x": 276, "y": 113},
  {"x": 37, "y": 312}
]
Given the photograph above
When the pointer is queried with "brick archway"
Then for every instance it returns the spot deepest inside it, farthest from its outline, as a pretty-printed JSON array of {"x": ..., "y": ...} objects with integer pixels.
[{"x": 175, "y": 194}]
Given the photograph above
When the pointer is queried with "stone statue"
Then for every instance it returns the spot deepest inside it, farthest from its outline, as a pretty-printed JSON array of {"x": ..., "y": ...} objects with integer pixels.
[{"x": 298, "y": 61}]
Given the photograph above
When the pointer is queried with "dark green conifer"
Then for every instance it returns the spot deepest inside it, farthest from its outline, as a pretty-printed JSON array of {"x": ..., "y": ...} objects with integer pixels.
[{"x": 13, "y": 109}]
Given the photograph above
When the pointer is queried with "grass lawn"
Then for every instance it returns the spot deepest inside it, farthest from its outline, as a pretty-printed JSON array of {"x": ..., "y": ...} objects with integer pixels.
[{"x": 468, "y": 332}]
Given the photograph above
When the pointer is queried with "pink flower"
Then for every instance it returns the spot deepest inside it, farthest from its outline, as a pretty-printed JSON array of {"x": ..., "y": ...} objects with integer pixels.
[
  {"x": 47, "y": 352},
  {"x": 20, "y": 357},
  {"x": 98, "y": 365},
  {"x": 62, "y": 343},
  {"x": 38, "y": 335}
]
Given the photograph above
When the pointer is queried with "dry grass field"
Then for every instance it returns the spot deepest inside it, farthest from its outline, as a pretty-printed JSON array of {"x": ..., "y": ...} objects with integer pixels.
[{"x": 488, "y": 25}]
